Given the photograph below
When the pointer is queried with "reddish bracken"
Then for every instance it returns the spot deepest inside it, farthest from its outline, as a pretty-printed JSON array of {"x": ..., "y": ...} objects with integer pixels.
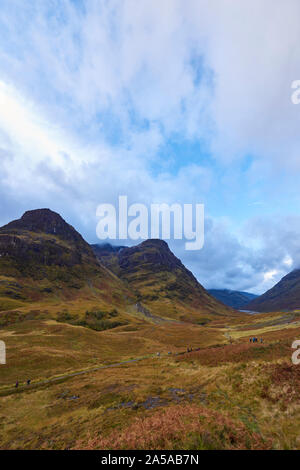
[
  {"x": 239, "y": 352},
  {"x": 180, "y": 427}
]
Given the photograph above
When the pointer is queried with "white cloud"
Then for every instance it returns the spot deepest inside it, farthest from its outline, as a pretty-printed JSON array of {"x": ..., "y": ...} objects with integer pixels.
[{"x": 89, "y": 96}]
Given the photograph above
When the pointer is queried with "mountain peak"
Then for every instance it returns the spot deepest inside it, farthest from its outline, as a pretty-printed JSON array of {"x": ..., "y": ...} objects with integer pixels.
[
  {"x": 153, "y": 252},
  {"x": 155, "y": 242},
  {"x": 43, "y": 238},
  {"x": 46, "y": 221},
  {"x": 40, "y": 212},
  {"x": 43, "y": 220}
]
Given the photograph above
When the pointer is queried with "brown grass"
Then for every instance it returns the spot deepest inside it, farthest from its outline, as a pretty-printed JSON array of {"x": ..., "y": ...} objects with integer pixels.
[
  {"x": 235, "y": 353},
  {"x": 181, "y": 427},
  {"x": 231, "y": 396},
  {"x": 284, "y": 383}
]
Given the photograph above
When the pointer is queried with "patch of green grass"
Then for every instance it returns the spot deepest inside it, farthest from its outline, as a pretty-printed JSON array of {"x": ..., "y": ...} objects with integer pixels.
[
  {"x": 9, "y": 304},
  {"x": 95, "y": 320}
]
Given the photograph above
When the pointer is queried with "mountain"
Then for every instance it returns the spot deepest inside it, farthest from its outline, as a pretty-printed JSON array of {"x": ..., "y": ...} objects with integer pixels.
[
  {"x": 44, "y": 260},
  {"x": 42, "y": 236},
  {"x": 285, "y": 295},
  {"x": 42, "y": 256},
  {"x": 233, "y": 298},
  {"x": 161, "y": 282}
]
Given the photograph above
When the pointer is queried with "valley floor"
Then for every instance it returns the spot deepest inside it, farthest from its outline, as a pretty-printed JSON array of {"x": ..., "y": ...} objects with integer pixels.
[{"x": 227, "y": 393}]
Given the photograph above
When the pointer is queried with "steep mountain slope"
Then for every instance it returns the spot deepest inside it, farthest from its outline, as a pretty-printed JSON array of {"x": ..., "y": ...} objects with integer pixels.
[
  {"x": 285, "y": 295},
  {"x": 43, "y": 257},
  {"x": 107, "y": 254},
  {"x": 233, "y": 298},
  {"x": 161, "y": 282}
]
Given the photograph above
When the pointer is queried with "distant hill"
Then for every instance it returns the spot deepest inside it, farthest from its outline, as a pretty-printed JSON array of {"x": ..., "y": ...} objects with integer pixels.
[
  {"x": 285, "y": 295},
  {"x": 160, "y": 280},
  {"x": 233, "y": 298}
]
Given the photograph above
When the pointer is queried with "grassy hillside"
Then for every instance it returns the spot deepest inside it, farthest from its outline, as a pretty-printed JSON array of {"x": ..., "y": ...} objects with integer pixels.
[{"x": 226, "y": 394}]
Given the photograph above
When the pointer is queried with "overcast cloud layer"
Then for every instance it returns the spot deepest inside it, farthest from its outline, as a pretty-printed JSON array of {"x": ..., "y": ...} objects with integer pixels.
[{"x": 169, "y": 101}]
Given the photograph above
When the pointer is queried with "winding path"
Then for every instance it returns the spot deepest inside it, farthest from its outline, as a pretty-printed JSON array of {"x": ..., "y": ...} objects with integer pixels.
[{"x": 8, "y": 391}]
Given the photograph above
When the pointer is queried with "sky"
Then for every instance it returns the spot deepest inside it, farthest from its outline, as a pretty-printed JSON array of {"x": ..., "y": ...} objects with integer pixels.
[{"x": 169, "y": 102}]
